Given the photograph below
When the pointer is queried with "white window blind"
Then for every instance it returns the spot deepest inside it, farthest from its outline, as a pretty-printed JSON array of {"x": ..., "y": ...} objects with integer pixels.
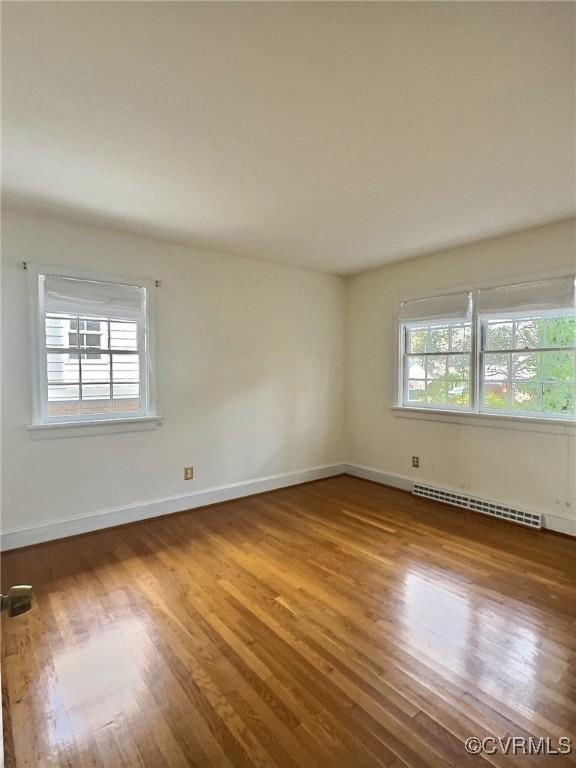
[
  {"x": 556, "y": 293},
  {"x": 447, "y": 307},
  {"x": 93, "y": 298},
  {"x": 527, "y": 348}
]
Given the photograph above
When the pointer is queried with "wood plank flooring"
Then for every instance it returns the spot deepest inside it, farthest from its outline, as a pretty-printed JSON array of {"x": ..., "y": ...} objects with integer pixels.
[{"x": 338, "y": 624}]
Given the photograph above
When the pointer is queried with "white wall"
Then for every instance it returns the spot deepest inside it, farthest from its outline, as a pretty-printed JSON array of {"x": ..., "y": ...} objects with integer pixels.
[
  {"x": 253, "y": 360},
  {"x": 249, "y": 372},
  {"x": 532, "y": 466}
]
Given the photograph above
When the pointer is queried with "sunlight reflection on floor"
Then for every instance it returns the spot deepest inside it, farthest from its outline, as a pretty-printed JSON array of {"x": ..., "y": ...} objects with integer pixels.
[
  {"x": 100, "y": 681},
  {"x": 470, "y": 638}
]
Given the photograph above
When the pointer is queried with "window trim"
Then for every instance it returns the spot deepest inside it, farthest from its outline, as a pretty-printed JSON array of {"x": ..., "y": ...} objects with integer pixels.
[
  {"x": 491, "y": 420},
  {"x": 146, "y": 350},
  {"x": 476, "y": 411}
]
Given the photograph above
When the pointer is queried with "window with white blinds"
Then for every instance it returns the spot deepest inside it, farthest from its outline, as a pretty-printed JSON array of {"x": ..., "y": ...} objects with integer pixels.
[
  {"x": 527, "y": 348},
  {"x": 437, "y": 351},
  {"x": 508, "y": 350},
  {"x": 93, "y": 350}
]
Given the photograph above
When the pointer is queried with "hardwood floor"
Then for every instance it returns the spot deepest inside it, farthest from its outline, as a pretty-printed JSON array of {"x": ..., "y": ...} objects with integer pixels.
[{"x": 339, "y": 624}]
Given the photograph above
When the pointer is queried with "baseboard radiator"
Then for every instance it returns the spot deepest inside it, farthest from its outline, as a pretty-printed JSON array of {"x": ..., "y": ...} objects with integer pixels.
[{"x": 513, "y": 515}]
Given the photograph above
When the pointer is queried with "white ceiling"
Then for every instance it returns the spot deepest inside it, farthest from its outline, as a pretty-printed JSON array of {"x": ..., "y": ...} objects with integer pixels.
[{"x": 335, "y": 136}]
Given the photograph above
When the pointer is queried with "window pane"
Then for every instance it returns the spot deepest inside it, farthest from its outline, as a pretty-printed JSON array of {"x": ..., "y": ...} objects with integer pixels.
[
  {"x": 126, "y": 398},
  {"x": 461, "y": 338},
  {"x": 417, "y": 339},
  {"x": 90, "y": 340},
  {"x": 529, "y": 333},
  {"x": 439, "y": 339},
  {"x": 63, "y": 400},
  {"x": 96, "y": 398},
  {"x": 436, "y": 392},
  {"x": 87, "y": 325},
  {"x": 459, "y": 393},
  {"x": 93, "y": 335},
  {"x": 526, "y": 397},
  {"x": 416, "y": 367},
  {"x": 560, "y": 332},
  {"x": 499, "y": 335},
  {"x": 103, "y": 340},
  {"x": 557, "y": 366},
  {"x": 96, "y": 369},
  {"x": 459, "y": 367},
  {"x": 62, "y": 369},
  {"x": 126, "y": 368},
  {"x": 436, "y": 367},
  {"x": 58, "y": 334},
  {"x": 558, "y": 398},
  {"x": 496, "y": 366},
  {"x": 416, "y": 390},
  {"x": 124, "y": 336},
  {"x": 525, "y": 366},
  {"x": 496, "y": 395}
]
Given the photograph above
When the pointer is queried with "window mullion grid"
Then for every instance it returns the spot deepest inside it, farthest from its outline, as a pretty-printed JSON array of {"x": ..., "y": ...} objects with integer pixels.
[
  {"x": 447, "y": 378},
  {"x": 143, "y": 367},
  {"x": 540, "y": 384},
  {"x": 511, "y": 378},
  {"x": 110, "y": 366},
  {"x": 426, "y": 354},
  {"x": 80, "y": 398},
  {"x": 405, "y": 382},
  {"x": 511, "y": 369},
  {"x": 476, "y": 359},
  {"x": 574, "y": 373},
  {"x": 527, "y": 350}
]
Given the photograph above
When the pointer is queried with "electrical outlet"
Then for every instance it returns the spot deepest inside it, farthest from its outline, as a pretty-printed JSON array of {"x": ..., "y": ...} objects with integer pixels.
[
  {"x": 416, "y": 461},
  {"x": 188, "y": 473}
]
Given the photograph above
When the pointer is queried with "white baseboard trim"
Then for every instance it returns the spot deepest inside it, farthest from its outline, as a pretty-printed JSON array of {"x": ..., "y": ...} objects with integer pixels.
[
  {"x": 560, "y": 524},
  {"x": 108, "y": 518},
  {"x": 550, "y": 522},
  {"x": 377, "y": 476}
]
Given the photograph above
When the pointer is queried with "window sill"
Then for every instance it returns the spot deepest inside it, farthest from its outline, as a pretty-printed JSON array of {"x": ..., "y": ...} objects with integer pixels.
[
  {"x": 495, "y": 420},
  {"x": 95, "y": 427}
]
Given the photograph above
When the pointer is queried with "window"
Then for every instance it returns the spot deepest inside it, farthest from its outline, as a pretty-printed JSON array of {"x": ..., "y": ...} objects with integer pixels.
[
  {"x": 438, "y": 359},
  {"x": 93, "y": 349},
  {"x": 528, "y": 364},
  {"x": 509, "y": 350},
  {"x": 437, "y": 352}
]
